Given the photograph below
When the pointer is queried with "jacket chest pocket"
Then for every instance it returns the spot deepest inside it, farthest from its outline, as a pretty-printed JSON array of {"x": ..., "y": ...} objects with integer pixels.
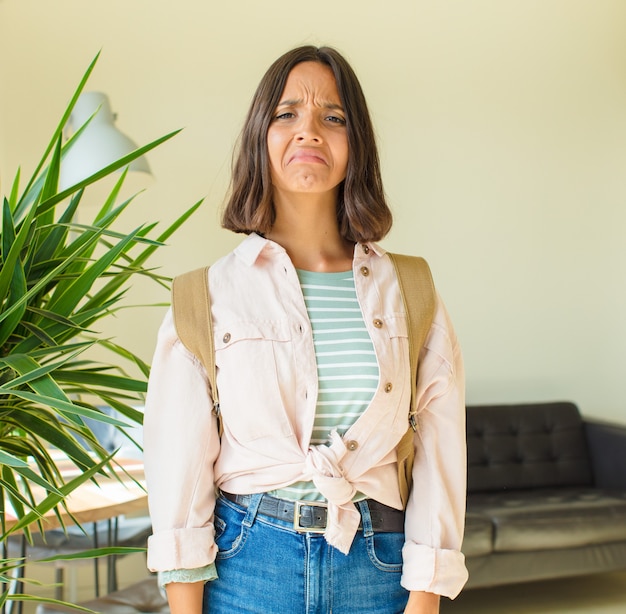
[{"x": 255, "y": 378}]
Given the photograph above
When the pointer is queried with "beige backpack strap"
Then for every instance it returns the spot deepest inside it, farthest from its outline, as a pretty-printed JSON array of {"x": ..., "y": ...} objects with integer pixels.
[
  {"x": 191, "y": 306},
  {"x": 418, "y": 296}
]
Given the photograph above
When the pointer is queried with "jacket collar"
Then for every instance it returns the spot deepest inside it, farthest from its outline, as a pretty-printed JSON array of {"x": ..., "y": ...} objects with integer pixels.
[
  {"x": 251, "y": 247},
  {"x": 254, "y": 244}
]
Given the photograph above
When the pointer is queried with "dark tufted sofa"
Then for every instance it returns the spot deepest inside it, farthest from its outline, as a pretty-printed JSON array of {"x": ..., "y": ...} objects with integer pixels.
[{"x": 546, "y": 494}]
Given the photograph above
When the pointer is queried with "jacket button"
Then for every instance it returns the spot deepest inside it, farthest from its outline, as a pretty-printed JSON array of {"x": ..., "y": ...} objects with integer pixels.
[
  {"x": 352, "y": 445},
  {"x": 226, "y": 338},
  {"x": 388, "y": 387},
  {"x": 366, "y": 249},
  {"x": 378, "y": 323},
  {"x": 365, "y": 271}
]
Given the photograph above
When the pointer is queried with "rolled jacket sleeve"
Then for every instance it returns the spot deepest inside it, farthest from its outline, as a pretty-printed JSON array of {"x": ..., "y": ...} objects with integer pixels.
[
  {"x": 181, "y": 444},
  {"x": 435, "y": 513}
]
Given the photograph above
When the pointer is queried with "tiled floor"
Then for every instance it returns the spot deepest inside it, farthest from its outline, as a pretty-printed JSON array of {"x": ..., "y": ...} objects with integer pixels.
[{"x": 597, "y": 594}]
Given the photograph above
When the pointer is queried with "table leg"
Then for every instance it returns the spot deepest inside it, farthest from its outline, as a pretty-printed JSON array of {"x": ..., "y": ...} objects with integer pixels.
[
  {"x": 113, "y": 530},
  {"x": 15, "y": 585},
  {"x": 20, "y": 574},
  {"x": 96, "y": 567}
]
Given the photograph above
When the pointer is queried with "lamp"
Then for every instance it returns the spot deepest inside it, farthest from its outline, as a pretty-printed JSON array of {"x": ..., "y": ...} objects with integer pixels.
[{"x": 99, "y": 145}]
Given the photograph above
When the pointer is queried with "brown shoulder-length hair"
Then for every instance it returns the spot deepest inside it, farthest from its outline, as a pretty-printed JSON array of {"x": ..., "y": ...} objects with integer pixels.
[{"x": 362, "y": 210}]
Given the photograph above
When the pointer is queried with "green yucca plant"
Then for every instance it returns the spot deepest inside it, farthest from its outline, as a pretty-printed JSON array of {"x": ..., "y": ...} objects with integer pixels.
[{"x": 58, "y": 278}]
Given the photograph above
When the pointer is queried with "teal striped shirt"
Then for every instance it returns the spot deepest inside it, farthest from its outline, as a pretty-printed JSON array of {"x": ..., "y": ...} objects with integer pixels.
[{"x": 347, "y": 368}]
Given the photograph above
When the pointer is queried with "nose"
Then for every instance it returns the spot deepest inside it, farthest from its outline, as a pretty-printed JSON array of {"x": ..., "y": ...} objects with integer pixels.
[{"x": 308, "y": 130}]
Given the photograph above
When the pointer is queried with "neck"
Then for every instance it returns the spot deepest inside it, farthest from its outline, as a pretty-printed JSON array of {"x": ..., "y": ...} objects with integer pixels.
[{"x": 307, "y": 228}]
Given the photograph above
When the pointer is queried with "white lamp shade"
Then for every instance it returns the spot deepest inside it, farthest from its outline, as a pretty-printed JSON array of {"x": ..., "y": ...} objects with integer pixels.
[{"x": 100, "y": 144}]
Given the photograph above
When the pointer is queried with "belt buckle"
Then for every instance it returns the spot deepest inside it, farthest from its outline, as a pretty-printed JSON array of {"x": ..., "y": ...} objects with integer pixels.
[{"x": 298, "y": 505}]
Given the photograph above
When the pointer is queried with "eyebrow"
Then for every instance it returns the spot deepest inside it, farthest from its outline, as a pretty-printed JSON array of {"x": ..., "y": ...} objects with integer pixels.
[{"x": 292, "y": 102}]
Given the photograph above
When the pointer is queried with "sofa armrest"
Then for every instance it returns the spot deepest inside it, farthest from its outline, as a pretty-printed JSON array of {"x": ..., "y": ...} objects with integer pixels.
[{"x": 607, "y": 450}]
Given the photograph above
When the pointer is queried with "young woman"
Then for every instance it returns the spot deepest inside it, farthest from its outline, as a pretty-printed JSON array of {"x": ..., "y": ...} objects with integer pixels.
[{"x": 296, "y": 507}]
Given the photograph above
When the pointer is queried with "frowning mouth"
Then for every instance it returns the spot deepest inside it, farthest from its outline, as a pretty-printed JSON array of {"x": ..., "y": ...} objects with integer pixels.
[{"x": 307, "y": 156}]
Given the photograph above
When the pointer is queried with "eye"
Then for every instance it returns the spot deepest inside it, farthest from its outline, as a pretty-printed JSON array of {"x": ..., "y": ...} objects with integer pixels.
[
  {"x": 285, "y": 115},
  {"x": 336, "y": 120}
]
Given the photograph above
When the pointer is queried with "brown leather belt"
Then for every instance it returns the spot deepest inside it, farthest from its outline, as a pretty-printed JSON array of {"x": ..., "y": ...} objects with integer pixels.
[{"x": 311, "y": 516}]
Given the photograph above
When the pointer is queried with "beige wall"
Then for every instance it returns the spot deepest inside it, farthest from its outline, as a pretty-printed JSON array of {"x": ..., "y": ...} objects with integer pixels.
[{"x": 503, "y": 137}]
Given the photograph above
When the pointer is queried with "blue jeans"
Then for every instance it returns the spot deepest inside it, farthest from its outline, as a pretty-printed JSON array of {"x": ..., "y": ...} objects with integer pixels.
[{"x": 265, "y": 566}]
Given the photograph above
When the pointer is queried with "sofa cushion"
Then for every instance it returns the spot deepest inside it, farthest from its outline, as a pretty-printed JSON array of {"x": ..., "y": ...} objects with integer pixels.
[
  {"x": 547, "y": 519},
  {"x": 526, "y": 446},
  {"x": 478, "y": 539}
]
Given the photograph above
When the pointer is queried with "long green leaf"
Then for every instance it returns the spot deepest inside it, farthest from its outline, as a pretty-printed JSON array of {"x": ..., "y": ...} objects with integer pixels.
[
  {"x": 126, "y": 410},
  {"x": 8, "y": 229},
  {"x": 99, "y": 380},
  {"x": 65, "y": 303},
  {"x": 11, "y": 257},
  {"x": 41, "y": 283},
  {"x": 37, "y": 599},
  {"x": 118, "y": 282},
  {"x": 30, "y": 370},
  {"x": 58, "y": 232},
  {"x": 36, "y": 376},
  {"x": 109, "y": 203},
  {"x": 51, "y": 184},
  {"x": 53, "y": 499},
  {"x": 170, "y": 230},
  {"x": 67, "y": 409},
  {"x": 56, "y": 435},
  {"x": 11, "y": 461},
  {"x": 93, "y": 553},
  {"x": 32, "y": 477},
  {"x": 107, "y": 170},
  {"x": 20, "y": 498},
  {"x": 15, "y": 189},
  {"x": 53, "y": 316},
  {"x": 16, "y": 291},
  {"x": 26, "y": 200},
  {"x": 39, "y": 333},
  {"x": 67, "y": 348},
  {"x": 100, "y": 228},
  {"x": 129, "y": 356}
]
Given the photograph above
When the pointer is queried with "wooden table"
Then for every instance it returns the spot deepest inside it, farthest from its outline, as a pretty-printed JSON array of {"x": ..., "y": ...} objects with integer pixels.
[{"x": 91, "y": 502}]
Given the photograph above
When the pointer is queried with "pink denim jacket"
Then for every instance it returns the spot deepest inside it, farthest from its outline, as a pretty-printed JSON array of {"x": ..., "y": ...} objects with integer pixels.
[{"x": 267, "y": 382}]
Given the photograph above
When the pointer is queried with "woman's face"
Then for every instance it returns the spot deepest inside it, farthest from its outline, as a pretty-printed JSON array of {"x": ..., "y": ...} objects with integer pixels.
[{"x": 307, "y": 140}]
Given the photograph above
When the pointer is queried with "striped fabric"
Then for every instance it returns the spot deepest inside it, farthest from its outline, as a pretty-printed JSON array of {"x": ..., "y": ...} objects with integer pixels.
[{"x": 346, "y": 362}]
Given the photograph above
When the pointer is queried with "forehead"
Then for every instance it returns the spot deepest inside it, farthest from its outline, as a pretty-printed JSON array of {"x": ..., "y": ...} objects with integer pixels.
[{"x": 311, "y": 79}]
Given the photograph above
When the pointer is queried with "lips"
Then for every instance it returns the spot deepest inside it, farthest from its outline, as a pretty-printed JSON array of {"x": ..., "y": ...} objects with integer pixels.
[{"x": 308, "y": 156}]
